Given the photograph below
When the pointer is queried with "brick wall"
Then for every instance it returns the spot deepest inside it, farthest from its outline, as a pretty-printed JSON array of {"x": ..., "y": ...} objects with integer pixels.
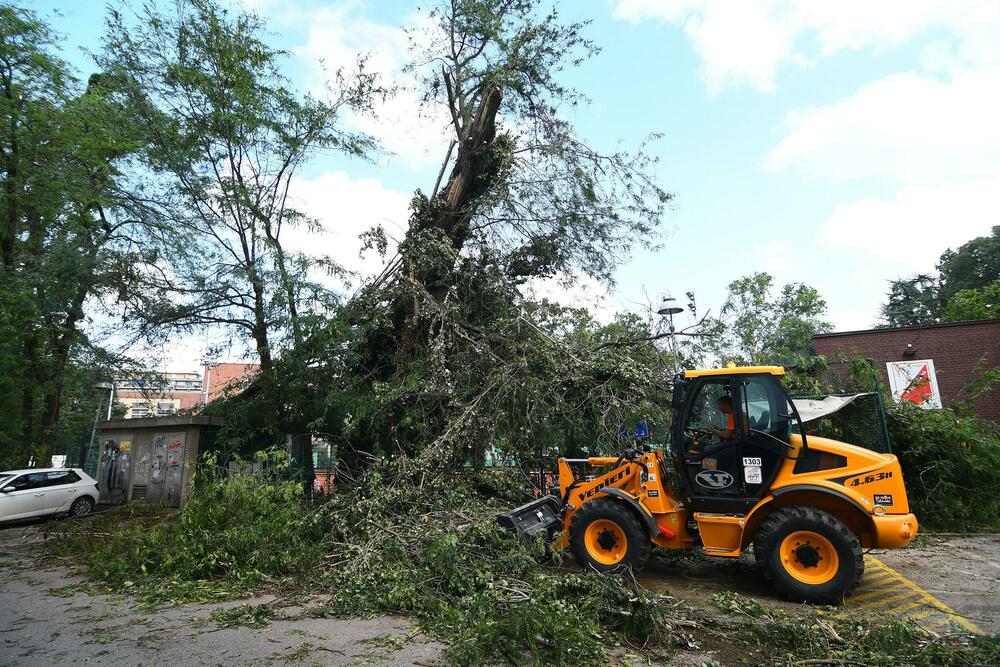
[
  {"x": 219, "y": 377},
  {"x": 955, "y": 349}
]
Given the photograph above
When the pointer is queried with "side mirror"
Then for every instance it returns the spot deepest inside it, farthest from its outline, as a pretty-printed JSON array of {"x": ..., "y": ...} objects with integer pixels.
[
  {"x": 677, "y": 400},
  {"x": 8, "y": 489}
]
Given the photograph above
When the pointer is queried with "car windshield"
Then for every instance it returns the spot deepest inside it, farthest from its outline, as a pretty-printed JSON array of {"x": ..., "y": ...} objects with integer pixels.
[{"x": 4, "y": 478}]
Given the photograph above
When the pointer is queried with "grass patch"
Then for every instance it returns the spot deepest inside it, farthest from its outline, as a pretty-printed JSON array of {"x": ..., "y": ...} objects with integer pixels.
[{"x": 774, "y": 636}]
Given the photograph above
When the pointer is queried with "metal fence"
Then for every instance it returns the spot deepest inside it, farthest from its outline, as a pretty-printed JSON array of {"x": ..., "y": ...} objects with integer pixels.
[{"x": 862, "y": 422}]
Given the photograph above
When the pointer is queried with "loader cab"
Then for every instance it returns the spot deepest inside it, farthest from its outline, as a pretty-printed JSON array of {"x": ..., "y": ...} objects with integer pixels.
[{"x": 731, "y": 434}]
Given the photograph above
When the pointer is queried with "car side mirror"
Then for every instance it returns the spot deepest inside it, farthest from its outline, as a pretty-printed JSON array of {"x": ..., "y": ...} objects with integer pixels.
[{"x": 8, "y": 489}]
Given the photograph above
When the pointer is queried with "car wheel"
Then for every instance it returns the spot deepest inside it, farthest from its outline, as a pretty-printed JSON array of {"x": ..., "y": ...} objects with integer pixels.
[
  {"x": 809, "y": 555},
  {"x": 81, "y": 507},
  {"x": 606, "y": 536}
]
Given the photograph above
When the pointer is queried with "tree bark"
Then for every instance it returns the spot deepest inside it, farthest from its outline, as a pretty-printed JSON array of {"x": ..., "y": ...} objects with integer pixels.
[
  {"x": 260, "y": 326},
  {"x": 449, "y": 213},
  {"x": 470, "y": 177}
]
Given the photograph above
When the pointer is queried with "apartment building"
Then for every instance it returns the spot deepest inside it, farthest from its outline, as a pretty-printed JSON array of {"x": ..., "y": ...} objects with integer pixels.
[{"x": 165, "y": 394}]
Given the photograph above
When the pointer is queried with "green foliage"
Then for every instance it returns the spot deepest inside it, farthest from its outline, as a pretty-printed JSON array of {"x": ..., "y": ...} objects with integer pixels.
[
  {"x": 777, "y": 637},
  {"x": 70, "y": 223},
  {"x": 912, "y": 302},
  {"x": 965, "y": 288},
  {"x": 758, "y": 326},
  {"x": 222, "y": 164},
  {"x": 545, "y": 201},
  {"x": 248, "y": 615},
  {"x": 973, "y": 266},
  {"x": 236, "y": 533},
  {"x": 974, "y": 304},
  {"x": 951, "y": 464},
  {"x": 434, "y": 551}
]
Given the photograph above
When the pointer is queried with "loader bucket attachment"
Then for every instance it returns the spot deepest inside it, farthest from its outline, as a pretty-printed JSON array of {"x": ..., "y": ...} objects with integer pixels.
[{"x": 537, "y": 519}]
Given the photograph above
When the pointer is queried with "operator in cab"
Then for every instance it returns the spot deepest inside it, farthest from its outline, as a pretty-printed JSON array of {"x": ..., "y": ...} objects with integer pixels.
[{"x": 725, "y": 405}]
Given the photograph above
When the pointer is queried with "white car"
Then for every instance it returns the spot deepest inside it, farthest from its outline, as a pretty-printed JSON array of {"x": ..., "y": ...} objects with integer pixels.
[{"x": 41, "y": 491}]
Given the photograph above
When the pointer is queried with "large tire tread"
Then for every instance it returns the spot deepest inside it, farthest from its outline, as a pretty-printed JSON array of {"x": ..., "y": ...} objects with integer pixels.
[
  {"x": 786, "y": 520},
  {"x": 639, "y": 545}
]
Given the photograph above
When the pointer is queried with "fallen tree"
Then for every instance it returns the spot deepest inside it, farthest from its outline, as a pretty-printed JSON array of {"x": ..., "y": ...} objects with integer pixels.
[{"x": 400, "y": 543}]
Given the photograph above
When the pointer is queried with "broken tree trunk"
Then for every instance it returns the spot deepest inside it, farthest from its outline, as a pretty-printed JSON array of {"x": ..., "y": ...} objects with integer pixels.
[{"x": 473, "y": 174}]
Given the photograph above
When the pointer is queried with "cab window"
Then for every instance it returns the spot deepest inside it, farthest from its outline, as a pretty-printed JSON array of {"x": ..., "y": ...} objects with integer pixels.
[
  {"x": 757, "y": 405},
  {"x": 705, "y": 408}
]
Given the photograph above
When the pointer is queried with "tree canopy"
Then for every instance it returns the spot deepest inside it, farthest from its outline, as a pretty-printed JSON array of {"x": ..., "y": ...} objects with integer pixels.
[
  {"x": 963, "y": 289},
  {"x": 223, "y": 136},
  {"x": 72, "y": 226},
  {"x": 760, "y": 323}
]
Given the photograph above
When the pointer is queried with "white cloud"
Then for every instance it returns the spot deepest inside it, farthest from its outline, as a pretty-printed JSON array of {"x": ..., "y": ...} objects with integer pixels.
[
  {"x": 908, "y": 233},
  {"x": 744, "y": 43},
  {"x": 774, "y": 257},
  {"x": 739, "y": 42},
  {"x": 907, "y": 128},
  {"x": 347, "y": 207},
  {"x": 576, "y": 291},
  {"x": 335, "y": 37}
]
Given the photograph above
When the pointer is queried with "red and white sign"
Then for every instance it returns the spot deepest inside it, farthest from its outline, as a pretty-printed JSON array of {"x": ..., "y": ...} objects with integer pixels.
[{"x": 914, "y": 381}]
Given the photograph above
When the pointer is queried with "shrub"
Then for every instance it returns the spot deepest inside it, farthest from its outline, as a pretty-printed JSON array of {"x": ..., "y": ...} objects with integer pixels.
[
  {"x": 235, "y": 533},
  {"x": 951, "y": 464}
]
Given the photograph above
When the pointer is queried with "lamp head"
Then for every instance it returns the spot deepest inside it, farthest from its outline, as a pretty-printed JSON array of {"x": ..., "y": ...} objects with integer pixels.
[{"x": 669, "y": 306}]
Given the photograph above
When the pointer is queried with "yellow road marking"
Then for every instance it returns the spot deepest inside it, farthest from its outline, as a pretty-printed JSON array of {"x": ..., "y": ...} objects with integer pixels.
[
  {"x": 878, "y": 577},
  {"x": 867, "y": 587},
  {"x": 899, "y": 611},
  {"x": 875, "y": 593},
  {"x": 883, "y": 583},
  {"x": 930, "y": 599},
  {"x": 892, "y": 598}
]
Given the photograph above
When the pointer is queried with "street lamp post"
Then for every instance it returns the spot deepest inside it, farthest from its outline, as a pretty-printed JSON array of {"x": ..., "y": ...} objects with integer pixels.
[
  {"x": 97, "y": 415},
  {"x": 670, "y": 307}
]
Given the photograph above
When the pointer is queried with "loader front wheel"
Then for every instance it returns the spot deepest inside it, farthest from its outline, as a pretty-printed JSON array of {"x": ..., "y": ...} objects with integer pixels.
[
  {"x": 809, "y": 555},
  {"x": 606, "y": 536}
]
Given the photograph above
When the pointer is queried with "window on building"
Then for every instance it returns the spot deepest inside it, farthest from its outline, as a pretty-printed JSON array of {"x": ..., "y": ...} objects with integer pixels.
[
  {"x": 164, "y": 409},
  {"x": 188, "y": 385},
  {"x": 139, "y": 410}
]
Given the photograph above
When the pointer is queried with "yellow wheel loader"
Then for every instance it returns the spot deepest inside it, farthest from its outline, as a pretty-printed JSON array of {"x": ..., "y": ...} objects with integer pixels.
[{"x": 741, "y": 471}]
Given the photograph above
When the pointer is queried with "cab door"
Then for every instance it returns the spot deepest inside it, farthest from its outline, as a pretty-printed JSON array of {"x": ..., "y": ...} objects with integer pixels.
[
  {"x": 767, "y": 422},
  {"x": 730, "y": 474},
  {"x": 710, "y": 464}
]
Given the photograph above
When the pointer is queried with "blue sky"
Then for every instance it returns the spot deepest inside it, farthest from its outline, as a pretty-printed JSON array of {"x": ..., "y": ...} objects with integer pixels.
[{"x": 838, "y": 144}]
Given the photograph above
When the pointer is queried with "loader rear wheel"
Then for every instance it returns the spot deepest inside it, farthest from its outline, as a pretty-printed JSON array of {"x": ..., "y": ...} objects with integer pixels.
[
  {"x": 809, "y": 555},
  {"x": 606, "y": 536}
]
